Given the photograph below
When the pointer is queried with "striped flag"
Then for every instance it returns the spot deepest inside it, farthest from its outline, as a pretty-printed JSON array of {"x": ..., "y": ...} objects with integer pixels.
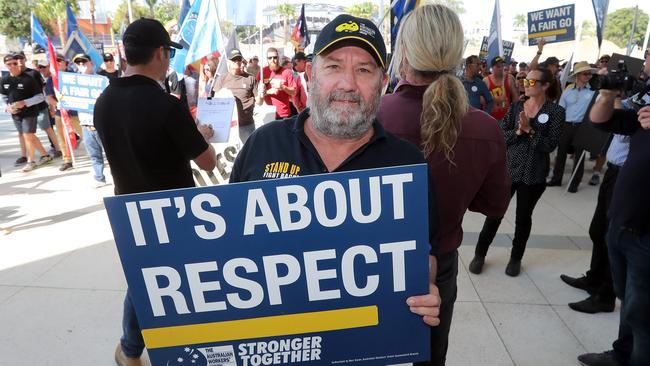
[{"x": 300, "y": 34}]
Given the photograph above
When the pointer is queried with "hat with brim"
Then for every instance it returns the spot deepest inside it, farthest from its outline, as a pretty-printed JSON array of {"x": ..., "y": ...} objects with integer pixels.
[
  {"x": 496, "y": 60},
  {"x": 348, "y": 30},
  {"x": 582, "y": 66},
  {"x": 80, "y": 57}
]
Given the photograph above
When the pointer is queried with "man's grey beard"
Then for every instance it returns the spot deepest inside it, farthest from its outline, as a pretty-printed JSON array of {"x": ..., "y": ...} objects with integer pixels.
[{"x": 342, "y": 122}]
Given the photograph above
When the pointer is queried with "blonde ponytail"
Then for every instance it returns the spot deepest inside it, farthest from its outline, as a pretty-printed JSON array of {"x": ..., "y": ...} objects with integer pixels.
[
  {"x": 443, "y": 107},
  {"x": 430, "y": 42}
]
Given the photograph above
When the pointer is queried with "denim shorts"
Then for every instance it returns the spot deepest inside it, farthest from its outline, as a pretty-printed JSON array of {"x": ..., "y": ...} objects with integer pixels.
[{"x": 25, "y": 124}]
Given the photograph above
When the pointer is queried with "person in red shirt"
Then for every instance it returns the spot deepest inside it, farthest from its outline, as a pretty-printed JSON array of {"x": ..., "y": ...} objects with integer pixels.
[
  {"x": 279, "y": 85},
  {"x": 503, "y": 88},
  {"x": 464, "y": 146}
]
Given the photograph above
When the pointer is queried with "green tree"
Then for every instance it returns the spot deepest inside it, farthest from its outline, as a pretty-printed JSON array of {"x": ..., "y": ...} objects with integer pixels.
[
  {"x": 245, "y": 32},
  {"x": 121, "y": 14},
  {"x": 14, "y": 18},
  {"x": 619, "y": 26},
  {"x": 286, "y": 12},
  {"x": 152, "y": 5},
  {"x": 588, "y": 28},
  {"x": 226, "y": 27},
  {"x": 363, "y": 10},
  {"x": 166, "y": 11},
  {"x": 456, "y": 5},
  {"x": 520, "y": 22},
  {"x": 49, "y": 11}
]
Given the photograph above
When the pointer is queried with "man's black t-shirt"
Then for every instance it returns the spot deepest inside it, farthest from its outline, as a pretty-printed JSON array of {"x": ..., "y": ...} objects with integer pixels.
[
  {"x": 18, "y": 88},
  {"x": 41, "y": 84},
  {"x": 281, "y": 149},
  {"x": 148, "y": 136},
  {"x": 110, "y": 75}
]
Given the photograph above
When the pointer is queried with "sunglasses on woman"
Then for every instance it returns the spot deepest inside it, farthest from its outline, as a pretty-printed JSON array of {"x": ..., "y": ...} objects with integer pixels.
[{"x": 530, "y": 82}]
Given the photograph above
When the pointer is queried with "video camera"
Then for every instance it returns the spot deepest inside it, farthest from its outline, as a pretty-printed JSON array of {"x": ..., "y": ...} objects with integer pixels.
[{"x": 623, "y": 74}]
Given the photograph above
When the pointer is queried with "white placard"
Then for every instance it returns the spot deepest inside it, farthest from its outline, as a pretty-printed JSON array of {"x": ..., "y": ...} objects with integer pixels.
[{"x": 217, "y": 112}]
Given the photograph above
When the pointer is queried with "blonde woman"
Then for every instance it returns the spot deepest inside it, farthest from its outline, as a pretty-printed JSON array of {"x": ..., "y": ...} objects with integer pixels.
[{"x": 464, "y": 146}]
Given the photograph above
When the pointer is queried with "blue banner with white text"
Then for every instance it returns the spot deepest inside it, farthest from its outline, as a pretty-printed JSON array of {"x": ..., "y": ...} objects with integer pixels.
[
  {"x": 552, "y": 25},
  {"x": 312, "y": 270}
]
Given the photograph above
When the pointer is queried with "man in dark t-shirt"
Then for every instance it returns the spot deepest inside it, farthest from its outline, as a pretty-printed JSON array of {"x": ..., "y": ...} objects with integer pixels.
[
  {"x": 110, "y": 72},
  {"x": 21, "y": 95},
  {"x": 149, "y": 139},
  {"x": 244, "y": 88}
]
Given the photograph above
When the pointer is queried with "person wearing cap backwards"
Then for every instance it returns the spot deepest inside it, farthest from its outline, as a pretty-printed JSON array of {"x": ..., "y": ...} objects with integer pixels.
[
  {"x": 576, "y": 102},
  {"x": 149, "y": 139},
  {"x": 90, "y": 137},
  {"x": 299, "y": 65},
  {"x": 339, "y": 130},
  {"x": 244, "y": 88},
  {"x": 464, "y": 146},
  {"x": 21, "y": 95},
  {"x": 110, "y": 70},
  {"x": 278, "y": 86},
  {"x": 502, "y": 86}
]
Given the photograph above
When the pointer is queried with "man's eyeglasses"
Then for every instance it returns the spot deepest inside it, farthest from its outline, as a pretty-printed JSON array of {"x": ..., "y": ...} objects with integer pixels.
[
  {"x": 172, "y": 51},
  {"x": 530, "y": 82},
  {"x": 272, "y": 58}
]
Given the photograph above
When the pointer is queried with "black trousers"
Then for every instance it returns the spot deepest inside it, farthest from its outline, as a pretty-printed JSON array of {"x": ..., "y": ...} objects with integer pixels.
[
  {"x": 527, "y": 197},
  {"x": 569, "y": 131},
  {"x": 599, "y": 270},
  {"x": 446, "y": 282}
]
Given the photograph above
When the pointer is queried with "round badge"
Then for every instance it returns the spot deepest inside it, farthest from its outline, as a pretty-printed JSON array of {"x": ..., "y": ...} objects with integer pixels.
[
  {"x": 543, "y": 118},
  {"x": 474, "y": 89}
]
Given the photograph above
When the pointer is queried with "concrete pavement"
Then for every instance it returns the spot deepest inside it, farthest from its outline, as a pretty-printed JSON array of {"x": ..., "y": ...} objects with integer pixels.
[{"x": 61, "y": 282}]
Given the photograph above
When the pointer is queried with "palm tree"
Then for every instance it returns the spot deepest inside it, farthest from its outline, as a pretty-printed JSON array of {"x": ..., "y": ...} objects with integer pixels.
[
  {"x": 55, "y": 10},
  {"x": 519, "y": 22},
  {"x": 286, "y": 12},
  {"x": 151, "y": 4}
]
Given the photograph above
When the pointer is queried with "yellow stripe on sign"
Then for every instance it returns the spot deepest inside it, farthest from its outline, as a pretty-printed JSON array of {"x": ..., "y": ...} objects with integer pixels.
[
  {"x": 270, "y": 326},
  {"x": 549, "y": 33}
]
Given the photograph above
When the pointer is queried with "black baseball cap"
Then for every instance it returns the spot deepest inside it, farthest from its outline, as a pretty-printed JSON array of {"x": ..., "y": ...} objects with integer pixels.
[
  {"x": 80, "y": 57},
  {"x": 148, "y": 33},
  {"x": 349, "y": 29},
  {"x": 552, "y": 61},
  {"x": 299, "y": 56},
  {"x": 108, "y": 57},
  {"x": 496, "y": 60},
  {"x": 234, "y": 54},
  {"x": 9, "y": 57}
]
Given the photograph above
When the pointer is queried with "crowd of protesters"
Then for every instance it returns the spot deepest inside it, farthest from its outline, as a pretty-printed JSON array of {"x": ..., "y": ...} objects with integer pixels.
[{"x": 485, "y": 136}]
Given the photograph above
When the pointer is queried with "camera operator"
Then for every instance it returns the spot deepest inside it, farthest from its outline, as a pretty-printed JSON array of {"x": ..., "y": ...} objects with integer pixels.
[{"x": 628, "y": 238}]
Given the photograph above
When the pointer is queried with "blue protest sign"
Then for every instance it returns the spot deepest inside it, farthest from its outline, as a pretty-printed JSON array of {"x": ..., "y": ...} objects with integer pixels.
[
  {"x": 313, "y": 270},
  {"x": 552, "y": 25},
  {"x": 79, "y": 91}
]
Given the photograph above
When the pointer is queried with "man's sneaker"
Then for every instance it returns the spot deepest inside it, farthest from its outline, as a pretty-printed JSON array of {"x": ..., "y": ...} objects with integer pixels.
[
  {"x": 57, "y": 154},
  {"x": 44, "y": 159},
  {"x": 476, "y": 265},
  {"x": 65, "y": 166},
  {"x": 100, "y": 184},
  {"x": 20, "y": 161},
  {"x": 595, "y": 180},
  {"x": 29, "y": 167},
  {"x": 598, "y": 359},
  {"x": 122, "y": 360}
]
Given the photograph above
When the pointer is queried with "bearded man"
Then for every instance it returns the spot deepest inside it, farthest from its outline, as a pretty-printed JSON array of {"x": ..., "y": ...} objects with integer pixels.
[{"x": 339, "y": 131}]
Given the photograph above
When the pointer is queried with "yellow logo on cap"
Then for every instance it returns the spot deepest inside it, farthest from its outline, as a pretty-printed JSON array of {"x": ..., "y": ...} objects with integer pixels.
[{"x": 350, "y": 26}]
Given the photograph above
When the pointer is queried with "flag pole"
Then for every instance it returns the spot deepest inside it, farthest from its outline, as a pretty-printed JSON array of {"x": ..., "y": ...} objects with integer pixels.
[{"x": 647, "y": 36}]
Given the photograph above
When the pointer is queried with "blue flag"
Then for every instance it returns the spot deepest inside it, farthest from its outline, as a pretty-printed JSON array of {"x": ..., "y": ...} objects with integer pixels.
[
  {"x": 72, "y": 20},
  {"x": 399, "y": 11},
  {"x": 185, "y": 7},
  {"x": 600, "y": 8},
  {"x": 38, "y": 35},
  {"x": 207, "y": 35},
  {"x": 242, "y": 12},
  {"x": 185, "y": 36},
  {"x": 495, "y": 45}
]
